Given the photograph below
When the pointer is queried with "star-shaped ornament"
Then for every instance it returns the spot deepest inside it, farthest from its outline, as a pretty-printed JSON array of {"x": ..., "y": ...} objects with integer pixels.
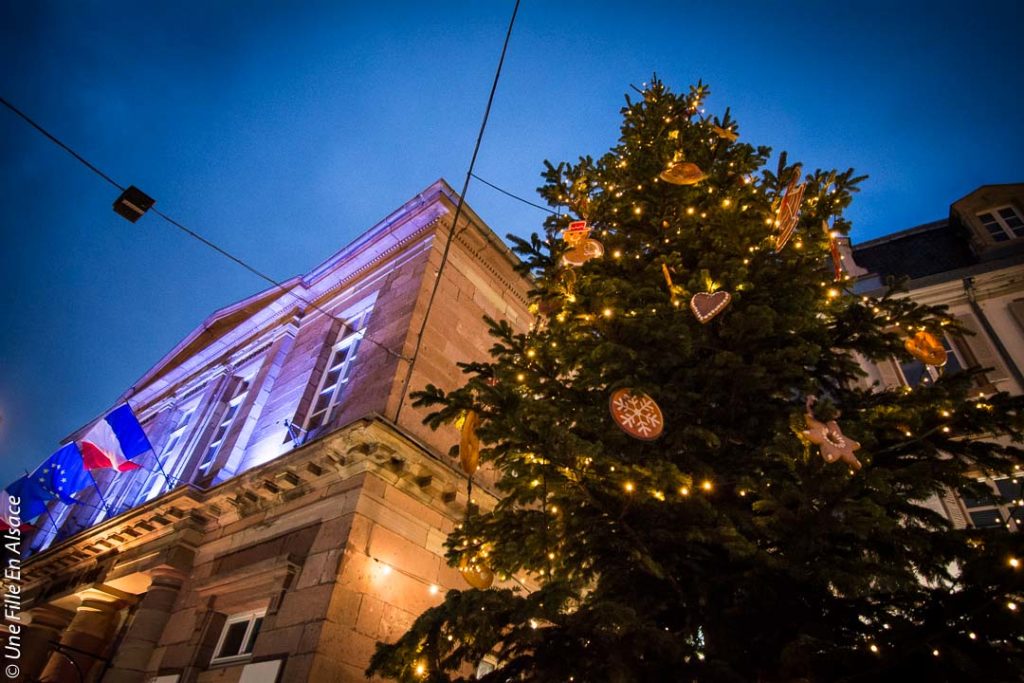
[{"x": 829, "y": 438}]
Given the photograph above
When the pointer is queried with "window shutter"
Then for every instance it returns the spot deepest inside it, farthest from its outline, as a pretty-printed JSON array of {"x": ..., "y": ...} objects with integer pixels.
[
  {"x": 951, "y": 503},
  {"x": 1017, "y": 311},
  {"x": 978, "y": 352},
  {"x": 889, "y": 373}
]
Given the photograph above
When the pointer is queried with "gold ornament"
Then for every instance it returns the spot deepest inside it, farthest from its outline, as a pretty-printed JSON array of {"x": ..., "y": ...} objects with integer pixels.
[
  {"x": 675, "y": 292},
  {"x": 833, "y": 247},
  {"x": 789, "y": 210},
  {"x": 830, "y": 439},
  {"x": 683, "y": 173},
  {"x": 706, "y": 305},
  {"x": 476, "y": 574},
  {"x": 469, "y": 444},
  {"x": 925, "y": 347},
  {"x": 636, "y": 414},
  {"x": 725, "y": 133},
  {"x": 566, "y": 288}
]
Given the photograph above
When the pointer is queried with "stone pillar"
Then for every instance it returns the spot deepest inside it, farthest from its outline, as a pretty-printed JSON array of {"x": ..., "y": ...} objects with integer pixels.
[
  {"x": 86, "y": 639},
  {"x": 132, "y": 659},
  {"x": 37, "y": 637}
]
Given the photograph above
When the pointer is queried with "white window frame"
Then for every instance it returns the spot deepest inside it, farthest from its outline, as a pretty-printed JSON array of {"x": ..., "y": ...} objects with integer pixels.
[
  {"x": 1008, "y": 232},
  {"x": 181, "y": 426},
  {"x": 157, "y": 481},
  {"x": 250, "y": 617},
  {"x": 227, "y": 418},
  {"x": 351, "y": 336}
]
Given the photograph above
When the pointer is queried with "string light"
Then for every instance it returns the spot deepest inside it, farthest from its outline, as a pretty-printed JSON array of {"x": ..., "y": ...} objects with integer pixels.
[
  {"x": 706, "y": 485},
  {"x": 1014, "y": 562},
  {"x": 434, "y": 589}
]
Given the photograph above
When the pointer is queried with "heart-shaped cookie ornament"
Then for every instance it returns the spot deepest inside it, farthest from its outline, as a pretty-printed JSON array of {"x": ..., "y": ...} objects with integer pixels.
[{"x": 706, "y": 306}]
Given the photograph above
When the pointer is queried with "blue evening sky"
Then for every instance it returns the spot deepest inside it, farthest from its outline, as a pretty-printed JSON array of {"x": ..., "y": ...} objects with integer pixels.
[{"x": 284, "y": 129}]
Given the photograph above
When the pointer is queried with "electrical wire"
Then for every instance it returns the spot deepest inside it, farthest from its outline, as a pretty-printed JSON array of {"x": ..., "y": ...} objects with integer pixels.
[
  {"x": 193, "y": 234},
  {"x": 514, "y": 196},
  {"x": 455, "y": 218}
]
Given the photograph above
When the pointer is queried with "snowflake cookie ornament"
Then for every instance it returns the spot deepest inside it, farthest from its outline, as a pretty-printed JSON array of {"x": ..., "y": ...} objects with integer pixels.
[{"x": 636, "y": 414}]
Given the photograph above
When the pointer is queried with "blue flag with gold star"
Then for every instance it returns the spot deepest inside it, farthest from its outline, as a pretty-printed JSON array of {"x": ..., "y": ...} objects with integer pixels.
[{"x": 63, "y": 474}]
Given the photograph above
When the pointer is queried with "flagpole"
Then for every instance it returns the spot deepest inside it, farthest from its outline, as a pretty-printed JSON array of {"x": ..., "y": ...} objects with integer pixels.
[
  {"x": 47, "y": 508},
  {"x": 167, "y": 478},
  {"x": 100, "y": 493}
]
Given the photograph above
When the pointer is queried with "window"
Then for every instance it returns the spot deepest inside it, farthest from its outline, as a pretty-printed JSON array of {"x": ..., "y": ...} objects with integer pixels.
[
  {"x": 179, "y": 429},
  {"x": 1005, "y": 502},
  {"x": 238, "y": 393},
  {"x": 1003, "y": 223},
  {"x": 238, "y": 636},
  {"x": 336, "y": 374}
]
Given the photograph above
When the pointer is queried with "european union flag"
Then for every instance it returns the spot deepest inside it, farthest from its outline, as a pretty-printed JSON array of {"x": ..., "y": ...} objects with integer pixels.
[
  {"x": 63, "y": 474},
  {"x": 33, "y": 499}
]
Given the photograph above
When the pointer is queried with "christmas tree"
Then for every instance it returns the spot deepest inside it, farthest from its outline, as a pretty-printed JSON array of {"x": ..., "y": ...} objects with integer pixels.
[{"x": 698, "y": 483}]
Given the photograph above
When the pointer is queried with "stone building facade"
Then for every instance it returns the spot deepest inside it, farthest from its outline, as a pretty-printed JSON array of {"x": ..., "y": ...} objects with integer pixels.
[
  {"x": 973, "y": 262},
  {"x": 297, "y": 510}
]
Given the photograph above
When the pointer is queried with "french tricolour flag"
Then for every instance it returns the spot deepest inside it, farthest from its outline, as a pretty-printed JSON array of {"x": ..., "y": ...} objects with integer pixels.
[{"x": 114, "y": 441}]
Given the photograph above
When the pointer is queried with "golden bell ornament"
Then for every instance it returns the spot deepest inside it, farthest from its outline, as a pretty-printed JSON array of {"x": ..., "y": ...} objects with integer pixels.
[
  {"x": 683, "y": 173},
  {"x": 476, "y": 575}
]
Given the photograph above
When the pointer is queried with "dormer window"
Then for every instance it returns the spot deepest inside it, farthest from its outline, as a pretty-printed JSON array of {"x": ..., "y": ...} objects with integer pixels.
[{"x": 1003, "y": 223}]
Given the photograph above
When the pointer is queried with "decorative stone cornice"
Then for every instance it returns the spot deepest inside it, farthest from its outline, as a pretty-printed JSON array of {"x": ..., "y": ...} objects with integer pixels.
[{"x": 157, "y": 533}]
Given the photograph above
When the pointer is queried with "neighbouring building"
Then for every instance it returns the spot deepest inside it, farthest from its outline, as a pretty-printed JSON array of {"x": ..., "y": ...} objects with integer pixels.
[
  {"x": 972, "y": 262},
  {"x": 297, "y": 511}
]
